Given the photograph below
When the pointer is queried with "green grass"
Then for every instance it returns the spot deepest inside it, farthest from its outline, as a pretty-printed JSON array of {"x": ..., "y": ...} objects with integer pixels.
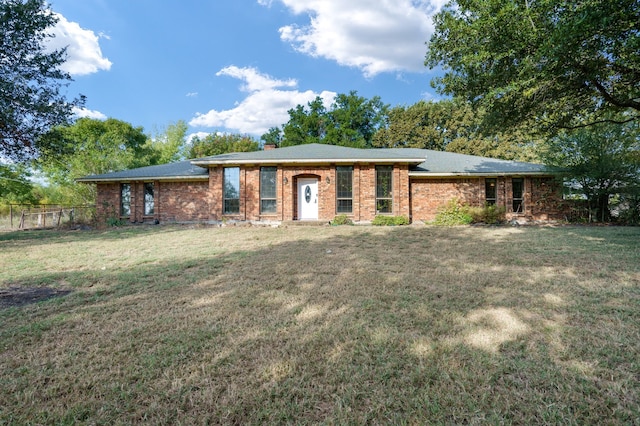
[{"x": 333, "y": 325}]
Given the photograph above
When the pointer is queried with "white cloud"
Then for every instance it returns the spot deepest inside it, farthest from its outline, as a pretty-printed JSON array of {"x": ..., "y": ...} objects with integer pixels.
[
  {"x": 376, "y": 37},
  {"x": 84, "y": 55},
  {"x": 83, "y": 112},
  {"x": 265, "y": 106}
]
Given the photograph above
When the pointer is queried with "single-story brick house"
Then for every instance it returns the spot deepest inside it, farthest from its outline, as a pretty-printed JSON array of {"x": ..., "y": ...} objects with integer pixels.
[{"x": 317, "y": 182}]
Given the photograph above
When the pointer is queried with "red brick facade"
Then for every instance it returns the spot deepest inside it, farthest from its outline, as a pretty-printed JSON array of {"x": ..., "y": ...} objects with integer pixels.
[{"x": 418, "y": 198}]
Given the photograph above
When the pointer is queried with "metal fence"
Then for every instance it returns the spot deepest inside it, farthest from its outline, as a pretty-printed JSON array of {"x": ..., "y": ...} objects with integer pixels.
[{"x": 29, "y": 216}]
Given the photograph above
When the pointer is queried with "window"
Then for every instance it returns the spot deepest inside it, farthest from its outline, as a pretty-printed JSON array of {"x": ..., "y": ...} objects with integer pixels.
[
  {"x": 148, "y": 199},
  {"x": 231, "y": 196},
  {"x": 268, "y": 190},
  {"x": 344, "y": 189},
  {"x": 490, "y": 191},
  {"x": 517, "y": 185},
  {"x": 125, "y": 200},
  {"x": 384, "y": 200}
]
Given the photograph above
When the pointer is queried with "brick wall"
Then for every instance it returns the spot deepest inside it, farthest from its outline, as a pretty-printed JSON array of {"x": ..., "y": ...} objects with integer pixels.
[
  {"x": 173, "y": 202},
  {"x": 182, "y": 201},
  {"x": 542, "y": 196},
  {"x": 417, "y": 198}
]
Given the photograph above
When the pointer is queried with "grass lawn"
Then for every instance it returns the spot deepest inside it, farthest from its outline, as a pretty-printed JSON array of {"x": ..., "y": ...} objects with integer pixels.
[{"x": 335, "y": 325}]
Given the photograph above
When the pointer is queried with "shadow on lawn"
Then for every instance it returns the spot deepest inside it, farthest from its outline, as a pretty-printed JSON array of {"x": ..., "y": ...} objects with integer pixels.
[{"x": 373, "y": 325}]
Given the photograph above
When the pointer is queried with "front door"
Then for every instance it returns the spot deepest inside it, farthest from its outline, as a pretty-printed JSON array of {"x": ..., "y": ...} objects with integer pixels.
[{"x": 308, "y": 199}]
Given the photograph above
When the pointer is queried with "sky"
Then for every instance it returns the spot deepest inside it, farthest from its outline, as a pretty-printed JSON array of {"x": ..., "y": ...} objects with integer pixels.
[{"x": 238, "y": 66}]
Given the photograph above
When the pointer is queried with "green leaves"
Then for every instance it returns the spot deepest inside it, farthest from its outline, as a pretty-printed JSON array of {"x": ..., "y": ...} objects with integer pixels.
[
  {"x": 31, "y": 102},
  {"x": 546, "y": 63},
  {"x": 351, "y": 121}
]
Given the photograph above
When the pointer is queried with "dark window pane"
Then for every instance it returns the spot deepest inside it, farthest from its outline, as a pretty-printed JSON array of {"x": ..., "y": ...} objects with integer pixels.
[
  {"x": 345, "y": 206},
  {"x": 517, "y": 185},
  {"x": 231, "y": 206},
  {"x": 344, "y": 189},
  {"x": 383, "y": 181},
  {"x": 383, "y": 206},
  {"x": 268, "y": 206},
  {"x": 268, "y": 189},
  {"x": 490, "y": 191},
  {"x": 344, "y": 182},
  {"x": 518, "y": 188},
  {"x": 384, "y": 185},
  {"x": 268, "y": 182}
]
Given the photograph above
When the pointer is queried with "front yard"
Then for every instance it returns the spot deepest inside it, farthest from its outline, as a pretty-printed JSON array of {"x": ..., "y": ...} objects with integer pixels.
[{"x": 171, "y": 324}]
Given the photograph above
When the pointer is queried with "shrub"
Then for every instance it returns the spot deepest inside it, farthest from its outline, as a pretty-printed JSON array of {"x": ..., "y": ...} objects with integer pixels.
[
  {"x": 453, "y": 213},
  {"x": 489, "y": 214},
  {"x": 341, "y": 219},
  {"x": 381, "y": 220}
]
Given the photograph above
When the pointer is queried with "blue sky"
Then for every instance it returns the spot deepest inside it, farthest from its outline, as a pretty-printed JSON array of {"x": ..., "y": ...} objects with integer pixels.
[{"x": 238, "y": 65}]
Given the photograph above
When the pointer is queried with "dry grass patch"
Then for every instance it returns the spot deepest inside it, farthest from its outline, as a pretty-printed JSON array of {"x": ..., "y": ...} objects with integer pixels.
[{"x": 329, "y": 324}]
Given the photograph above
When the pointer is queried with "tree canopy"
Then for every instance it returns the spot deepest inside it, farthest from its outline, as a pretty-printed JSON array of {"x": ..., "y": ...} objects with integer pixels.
[
  {"x": 215, "y": 144},
  {"x": 351, "y": 120},
  {"x": 547, "y": 62},
  {"x": 451, "y": 125},
  {"x": 31, "y": 102},
  {"x": 88, "y": 147},
  {"x": 602, "y": 160}
]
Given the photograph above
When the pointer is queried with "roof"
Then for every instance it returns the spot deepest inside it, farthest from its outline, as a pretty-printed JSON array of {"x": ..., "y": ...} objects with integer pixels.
[
  {"x": 439, "y": 163},
  {"x": 422, "y": 162},
  {"x": 316, "y": 153},
  {"x": 182, "y": 170}
]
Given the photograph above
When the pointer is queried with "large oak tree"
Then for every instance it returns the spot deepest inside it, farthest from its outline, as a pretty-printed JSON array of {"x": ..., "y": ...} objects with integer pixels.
[{"x": 552, "y": 63}]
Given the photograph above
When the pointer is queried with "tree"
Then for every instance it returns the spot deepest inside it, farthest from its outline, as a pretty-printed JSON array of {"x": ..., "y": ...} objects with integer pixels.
[
  {"x": 306, "y": 125},
  {"x": 31, "y": 102},
  {"x": 89, "y": 147},
  {"x": 170, "y": 145},
  {"x": 602, "y": 160},
  {"x": 547, "y": 62},
  {"x": 272, "y": 137},
  {"x": 221, "y": 144},
  {"x": 451, "y": 125},
  {"x": 351, "y": 120},
  {"x": 354, "y": 120},
  {"x": 15, "y": 186}
]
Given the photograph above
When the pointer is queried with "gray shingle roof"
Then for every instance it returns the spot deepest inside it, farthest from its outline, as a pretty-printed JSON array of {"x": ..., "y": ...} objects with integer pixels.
[
  {"x": 182, "y": 170},
  {"x": 314, "y": 153},
  {"x": 423, "y": 162},
  {"x": 449, "y": 163}
]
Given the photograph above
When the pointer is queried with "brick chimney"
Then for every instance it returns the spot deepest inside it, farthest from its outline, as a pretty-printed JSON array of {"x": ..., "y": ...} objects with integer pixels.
[{"x": 269, "y": 147}]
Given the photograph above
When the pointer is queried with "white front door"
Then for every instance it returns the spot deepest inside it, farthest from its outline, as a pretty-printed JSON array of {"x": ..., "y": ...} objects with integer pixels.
[{"x": 308, "y": 199}]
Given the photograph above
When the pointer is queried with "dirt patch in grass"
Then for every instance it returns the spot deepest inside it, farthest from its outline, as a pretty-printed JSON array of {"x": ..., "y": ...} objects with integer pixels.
[{"x": 20, "y": 296}]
